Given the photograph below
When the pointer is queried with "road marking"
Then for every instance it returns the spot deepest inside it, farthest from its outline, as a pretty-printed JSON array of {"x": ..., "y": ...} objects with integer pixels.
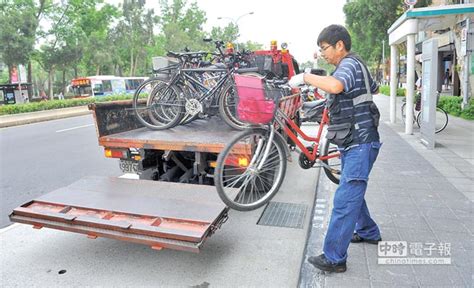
[{"x": 73, "y": 128}]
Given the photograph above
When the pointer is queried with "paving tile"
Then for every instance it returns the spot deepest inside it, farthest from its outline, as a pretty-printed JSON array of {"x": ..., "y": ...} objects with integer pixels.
[
  {"x": 403, "y": 210},
  {"x": 441, "y": 187},
  {"x": 415, "y": 196},
  {"x": 374, "y": 197},
  {"x": 424, "y": 202},
  {"x": 438, "y": 212},
  {"x": 379, "y": 284},
  {"x": 433, "y": 275},
  {"x": 458, "y": 241},
  {"x": 470, "y": 196},
  {"x": 378, "y": 208},
  {"x": 383, "y": 220},
  {"x": 469, "y": 224},
  {"x": 431, "y": 179},
  {"x": 414, "y": 235},
  {"x": 464, "y": 187},
  {"x": 401, "y": 274},
  {"x": 357, "y": 267},
  {"x": 451, "y": 195},
  {"x": 464, "y": 205},
  {"x": 411, "y": 222},
  {"x": 334, "y": 281},
  {"x": 441, "y": 226},
  {"x": 396, "y": 192},
  {"x": 461, "y": 180},
  {"x": 400, "y": 200}
]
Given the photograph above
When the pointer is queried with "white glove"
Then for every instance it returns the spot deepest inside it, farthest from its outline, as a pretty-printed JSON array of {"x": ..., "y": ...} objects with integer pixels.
[{"x": 297, "y": 80}]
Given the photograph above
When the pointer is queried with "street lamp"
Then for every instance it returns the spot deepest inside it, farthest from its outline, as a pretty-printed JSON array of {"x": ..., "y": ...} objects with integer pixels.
[{"x": 235, "y": 21}]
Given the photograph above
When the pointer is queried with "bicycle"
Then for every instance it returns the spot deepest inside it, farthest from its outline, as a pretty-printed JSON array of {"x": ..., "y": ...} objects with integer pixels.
[
  {"x": 252, "y": 166},
  {"x": 190, "y": 93},
  {"x": 441, "y": 115}
]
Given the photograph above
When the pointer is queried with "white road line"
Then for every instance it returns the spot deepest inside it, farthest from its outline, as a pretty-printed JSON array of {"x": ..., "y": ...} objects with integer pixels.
[{"x": 73, "y": 128}]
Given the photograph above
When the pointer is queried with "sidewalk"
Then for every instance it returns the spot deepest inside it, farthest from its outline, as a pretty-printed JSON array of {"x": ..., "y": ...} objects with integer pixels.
[
  {"x": 415, "y": 195},
  {"x": 33, "y": 117}
]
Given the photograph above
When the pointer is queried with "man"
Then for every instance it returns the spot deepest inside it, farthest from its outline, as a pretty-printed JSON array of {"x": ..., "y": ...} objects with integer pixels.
[
  {"x": 447, "y": 78},
  {"x": 353, "y": 127}
]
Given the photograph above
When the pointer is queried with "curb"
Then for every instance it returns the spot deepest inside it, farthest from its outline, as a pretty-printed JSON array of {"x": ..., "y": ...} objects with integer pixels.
[
  {"x": 320, "y": 216},
  {"x": 40, "y": 116}
]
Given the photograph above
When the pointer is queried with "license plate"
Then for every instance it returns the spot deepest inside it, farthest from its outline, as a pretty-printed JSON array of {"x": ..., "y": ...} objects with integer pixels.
[{"x": 128, "y": 166}]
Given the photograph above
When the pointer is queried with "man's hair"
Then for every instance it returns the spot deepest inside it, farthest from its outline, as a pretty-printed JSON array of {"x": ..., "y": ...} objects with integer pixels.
[{"x": 334, "y": 33}]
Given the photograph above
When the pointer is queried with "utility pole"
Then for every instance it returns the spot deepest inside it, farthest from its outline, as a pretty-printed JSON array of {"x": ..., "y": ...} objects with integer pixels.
[{"x": 383, "y": 61}]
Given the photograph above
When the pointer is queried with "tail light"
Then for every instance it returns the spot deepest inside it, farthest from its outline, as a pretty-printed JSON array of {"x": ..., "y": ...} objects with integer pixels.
[{"x": 116, "y": 153}]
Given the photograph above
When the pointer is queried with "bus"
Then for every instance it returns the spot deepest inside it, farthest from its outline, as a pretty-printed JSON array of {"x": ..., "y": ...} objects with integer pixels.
[{"x": 104, "y": 85}]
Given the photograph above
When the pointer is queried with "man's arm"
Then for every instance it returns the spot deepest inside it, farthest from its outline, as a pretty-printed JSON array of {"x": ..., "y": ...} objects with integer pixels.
[{"x": 326, "y": 83}]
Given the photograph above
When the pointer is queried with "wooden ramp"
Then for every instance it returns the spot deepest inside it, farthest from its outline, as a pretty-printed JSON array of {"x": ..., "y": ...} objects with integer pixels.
[{"x": 158, "y": 214}]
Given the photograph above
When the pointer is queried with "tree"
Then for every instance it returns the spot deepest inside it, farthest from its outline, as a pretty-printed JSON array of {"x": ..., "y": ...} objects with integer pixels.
[
  {"x": 227, "y": 34},
  {"x": 182, "y": 27},
  {"x": 19, "y": 22},
  {"x": 133, "y": 37},
  {"x": 368, "y": 22}
]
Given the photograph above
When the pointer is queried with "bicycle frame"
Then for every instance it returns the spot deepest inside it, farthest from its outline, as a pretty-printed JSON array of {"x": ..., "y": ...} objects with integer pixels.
[
  {"x": 209, "y": 92},
  {"x": 287, "y": 124}
]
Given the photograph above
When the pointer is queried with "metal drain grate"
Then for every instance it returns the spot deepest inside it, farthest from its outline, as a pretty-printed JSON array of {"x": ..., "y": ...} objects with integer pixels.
[{"x": 281, "y": 214}]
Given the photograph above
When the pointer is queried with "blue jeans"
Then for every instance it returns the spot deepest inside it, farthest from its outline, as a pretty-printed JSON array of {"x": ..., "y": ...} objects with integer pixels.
[{"x": 350, "y": 211}]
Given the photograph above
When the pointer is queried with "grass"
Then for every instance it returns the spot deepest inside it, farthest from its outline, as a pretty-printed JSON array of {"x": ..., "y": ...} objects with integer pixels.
[{"x": 57, "y": 104}]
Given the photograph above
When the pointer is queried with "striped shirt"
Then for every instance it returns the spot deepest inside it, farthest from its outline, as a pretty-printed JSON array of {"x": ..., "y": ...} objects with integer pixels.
[{"x": 350, "y": 74}]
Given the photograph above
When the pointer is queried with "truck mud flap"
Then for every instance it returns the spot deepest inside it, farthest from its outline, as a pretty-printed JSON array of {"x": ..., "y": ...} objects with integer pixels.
[{"x": 158, "y": 214}]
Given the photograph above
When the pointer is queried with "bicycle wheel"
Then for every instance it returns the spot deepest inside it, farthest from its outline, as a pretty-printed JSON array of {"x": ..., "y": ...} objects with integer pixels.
[
  {"x": 190, "y": 94},
  {"x": 163, "y": 108},
  {"x": 239, "y": 182},
  {"x": 228, "y": 107},
  {"x": 403, "y": 111},
  {"x": 441, "y": 119},
  {"x": 332, "y": 166}
]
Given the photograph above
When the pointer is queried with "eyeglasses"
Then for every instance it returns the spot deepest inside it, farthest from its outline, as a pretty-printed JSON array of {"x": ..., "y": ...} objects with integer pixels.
[{"x": 322, "y": 49}]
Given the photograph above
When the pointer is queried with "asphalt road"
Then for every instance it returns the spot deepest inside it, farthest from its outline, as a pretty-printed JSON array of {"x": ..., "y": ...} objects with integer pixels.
[{"x": 38, "y": 158}]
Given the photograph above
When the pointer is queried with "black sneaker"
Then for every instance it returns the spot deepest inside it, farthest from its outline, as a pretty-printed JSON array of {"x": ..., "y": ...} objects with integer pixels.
[
  {"x": 357, "y": 239},
  {"x": 323, "y": 264}
]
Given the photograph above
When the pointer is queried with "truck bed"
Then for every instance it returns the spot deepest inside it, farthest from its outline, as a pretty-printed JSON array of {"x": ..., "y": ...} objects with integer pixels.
[
  {"x": 204, "y": 135},
  {"x": 117, "y": 127}
]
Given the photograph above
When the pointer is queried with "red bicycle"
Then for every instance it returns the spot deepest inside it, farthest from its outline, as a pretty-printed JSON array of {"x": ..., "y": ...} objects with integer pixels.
[{"x": 252, "y": 166}]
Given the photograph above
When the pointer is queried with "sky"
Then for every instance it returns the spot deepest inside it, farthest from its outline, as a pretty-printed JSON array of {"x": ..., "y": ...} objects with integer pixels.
[{"x": 296, "y": 22}]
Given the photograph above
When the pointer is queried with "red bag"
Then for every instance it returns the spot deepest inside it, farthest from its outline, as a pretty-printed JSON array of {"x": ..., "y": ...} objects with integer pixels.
[{"x": 255, "y": 104}]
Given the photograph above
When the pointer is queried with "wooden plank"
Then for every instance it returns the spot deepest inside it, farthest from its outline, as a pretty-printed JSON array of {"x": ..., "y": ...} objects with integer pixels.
[
  {"x": 112, "y": 234},
  {"x": 43, "y": 215}
]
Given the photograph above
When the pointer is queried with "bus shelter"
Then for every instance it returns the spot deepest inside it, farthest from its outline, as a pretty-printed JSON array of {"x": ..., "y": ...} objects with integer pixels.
[
  {"x": 14, "y": 93},
  {"x": 407, "y": 28}
]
